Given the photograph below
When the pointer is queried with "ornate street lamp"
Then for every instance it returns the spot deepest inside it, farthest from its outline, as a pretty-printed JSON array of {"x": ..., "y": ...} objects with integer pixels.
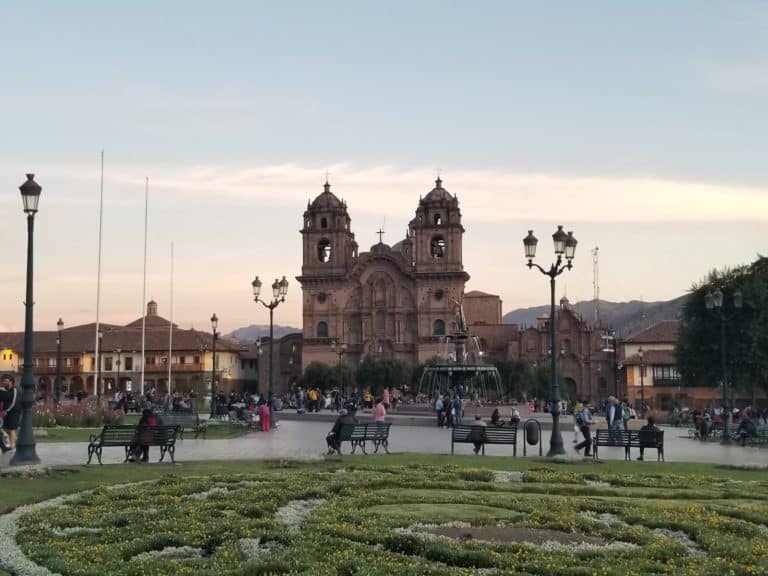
[
  {"x": 214, "y": 325},
  {"x": 641, "y": 354},
  {"x": 118, "y": 352},
  {"x": 713, "y": 301},
  {"x": 339, "y": 348},
  {"x": 57, "y": 384},
  {"x": 565, "y": 246},
  {"x": 279, "y": 290},
  {"x": 25, "y": 447}
]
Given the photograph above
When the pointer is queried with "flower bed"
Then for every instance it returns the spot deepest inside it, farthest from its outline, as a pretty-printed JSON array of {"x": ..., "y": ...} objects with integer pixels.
[{"x": 401, "y": 520}]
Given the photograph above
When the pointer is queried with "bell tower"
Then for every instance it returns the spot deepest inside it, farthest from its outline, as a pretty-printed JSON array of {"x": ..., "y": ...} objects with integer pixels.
[
  {"x": 437, "y": 232},
  {"x": 328, "y": 244}
]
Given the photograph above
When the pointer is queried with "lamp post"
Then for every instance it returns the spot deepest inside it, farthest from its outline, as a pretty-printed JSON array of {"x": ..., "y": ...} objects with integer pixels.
[
  {"x": 713, "y": 301},
  {"x": 25, "y": 447},
  {"x": 279, "y": 290},
  {"x": 610, "y": 348},
  {"x": 565, "y": 245},
  {"x": 641, "y": 354},
  {"x": 97, "y": 358},
  {"x": 214, "y": 325},
  {"x": 339, "y": 348},
  {"x": 118, "y": 352},
  {"x": 57, "y": 384}
]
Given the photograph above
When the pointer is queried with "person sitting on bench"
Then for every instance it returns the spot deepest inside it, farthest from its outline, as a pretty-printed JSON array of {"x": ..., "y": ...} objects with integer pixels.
[
  {"x": 651, "y": 426},
  {"x": 140, "y": 448},
  {"x": 333, "y": 440}
]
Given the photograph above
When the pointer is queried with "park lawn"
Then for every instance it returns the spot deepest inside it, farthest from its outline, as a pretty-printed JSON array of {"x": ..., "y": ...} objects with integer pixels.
[{"x": 403, "y": 514}]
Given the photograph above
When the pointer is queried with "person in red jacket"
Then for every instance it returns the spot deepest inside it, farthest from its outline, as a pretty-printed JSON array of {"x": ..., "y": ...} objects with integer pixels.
[{"x": 140, "y": 449}]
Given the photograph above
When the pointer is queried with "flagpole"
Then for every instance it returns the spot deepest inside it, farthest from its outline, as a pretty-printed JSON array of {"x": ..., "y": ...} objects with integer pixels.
[
  {"x": 97, "y": 351},
  {"x": 144, "y": 290},
  {"x": 170, "y": 332}
]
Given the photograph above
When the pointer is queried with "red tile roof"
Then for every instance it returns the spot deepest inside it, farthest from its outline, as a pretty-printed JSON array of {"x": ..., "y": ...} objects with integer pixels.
[
  {"x": 664, "y": 332},
  {"x": 652, "y": 358}
]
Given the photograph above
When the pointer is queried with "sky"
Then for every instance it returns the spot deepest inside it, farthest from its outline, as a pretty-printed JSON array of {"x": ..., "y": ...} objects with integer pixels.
[{"x": 639, "y": 126}]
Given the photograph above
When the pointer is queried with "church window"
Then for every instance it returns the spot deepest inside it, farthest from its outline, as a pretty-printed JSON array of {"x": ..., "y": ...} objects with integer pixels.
[
  {"x": 321, "y": 297},
  {"x": 439, "y": 328},
  {"x": 437, "y": 247},
  {"x": 439, "y": 294},
  {"x": 323, "y": 222},
  {"x": 379, "y": 320},
  {"x": 437, "y": 219},
  {"x": 324, "y": 250},
  {"x": 308, "y": 223},
  {"x": 322, "y": 330}
]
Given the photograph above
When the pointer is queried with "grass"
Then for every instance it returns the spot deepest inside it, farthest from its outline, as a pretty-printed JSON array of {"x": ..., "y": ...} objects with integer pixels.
[{"x": 370, "y": 500}]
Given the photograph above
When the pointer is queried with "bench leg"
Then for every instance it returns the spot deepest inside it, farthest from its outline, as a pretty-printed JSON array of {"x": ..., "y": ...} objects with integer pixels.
[
  {"x": 385, "y": 443},
  {"x": 90, "y": 453},
  {"x": 172, "y": 452},
  {"x": 626, "y": 453},
  {"x": 362, "y": 447},
  {"x": 451, "y": 446},
  {"x": 354, "y": 446},
  {"x": 163, "y": 450},
  {"x": 98, "y": 453}
]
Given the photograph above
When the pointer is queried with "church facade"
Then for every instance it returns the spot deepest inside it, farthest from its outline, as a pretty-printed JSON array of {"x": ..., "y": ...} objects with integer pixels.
[{"x": 390, "y": 302}]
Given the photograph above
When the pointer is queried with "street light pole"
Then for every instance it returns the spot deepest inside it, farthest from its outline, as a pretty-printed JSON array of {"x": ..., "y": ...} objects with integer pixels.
[
  {"x": 565, "y": 244},
  {"x": 57, "y": 385},
  {"x": 97, "y": 358},
  {"x": 118, "y": 352},
  {"x": 713, "y": 301},
  {"x": 214, "y": 325},
  {"x": 25, "y": 447},
  {"x": 642, "y": 381},
  {"x": 340, "y": 348},
  {"x": 279, "y": 290}
]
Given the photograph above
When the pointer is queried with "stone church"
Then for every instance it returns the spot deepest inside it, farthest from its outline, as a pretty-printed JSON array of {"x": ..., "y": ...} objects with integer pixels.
[{"x": 392, "y": 301}]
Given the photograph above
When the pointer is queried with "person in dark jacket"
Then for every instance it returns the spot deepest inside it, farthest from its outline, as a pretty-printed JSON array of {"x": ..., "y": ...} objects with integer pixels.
[
  {"x": 333, "y": 439},
  {"x": 11, "y": 409},
  {"x": 140, "y": 449}
]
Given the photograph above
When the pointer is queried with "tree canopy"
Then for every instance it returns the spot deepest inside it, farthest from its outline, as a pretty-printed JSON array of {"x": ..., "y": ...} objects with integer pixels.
[{"x": 746, "y": 330}]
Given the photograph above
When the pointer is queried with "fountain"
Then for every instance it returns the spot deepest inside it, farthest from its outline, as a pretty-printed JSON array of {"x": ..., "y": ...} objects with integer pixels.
[{"x": 461, "y": 364}]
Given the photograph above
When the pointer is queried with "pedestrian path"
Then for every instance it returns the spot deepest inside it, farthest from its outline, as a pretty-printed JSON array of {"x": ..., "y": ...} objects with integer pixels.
[{"x": 307, "y": 439}]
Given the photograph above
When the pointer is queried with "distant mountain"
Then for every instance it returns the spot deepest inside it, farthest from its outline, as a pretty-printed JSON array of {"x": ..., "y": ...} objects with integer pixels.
[
  {"x": 624, "y": 317},
  {"x": 255, "y": 331}
]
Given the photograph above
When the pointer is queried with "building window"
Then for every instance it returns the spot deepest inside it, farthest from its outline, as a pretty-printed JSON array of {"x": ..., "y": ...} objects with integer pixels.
[
  {"x": 439, "y": 328},
  {"x": 665, "y": 373},
  {"x": 51, "y": 362},
  {"x": 379, "y": 320},
  {"x": 182, "y": 359},
  {"x": 324, "y": 250},
  {"x": 129, "y": 362},
  {"x": 437, "y": 247},
  {"x": 323, "y": 222},
  {"x": 151, "y": 360},
  {"x": 322, "y": 330},
  {"x": 108, "y": 363},
  {"x": 196, "y": 359},
  {"x": 68, "y": 362}
]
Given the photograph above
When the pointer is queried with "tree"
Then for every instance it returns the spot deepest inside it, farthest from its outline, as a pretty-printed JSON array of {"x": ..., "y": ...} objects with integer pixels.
[
  {"x": 698, "y": 350},
  {"x": 318, "y": 375},
  {"x": 376, "y": 374}
]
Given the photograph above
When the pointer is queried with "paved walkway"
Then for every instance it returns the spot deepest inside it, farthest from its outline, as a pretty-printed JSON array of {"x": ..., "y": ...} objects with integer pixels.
[{"x": 294, "y": 438}]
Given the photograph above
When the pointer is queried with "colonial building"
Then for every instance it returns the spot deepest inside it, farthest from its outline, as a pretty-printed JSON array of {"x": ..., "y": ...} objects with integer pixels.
[
  {"x": 190, "y": 358},
  {"x": 392, "y": 301},
  {"x": 586, "y": 367}
]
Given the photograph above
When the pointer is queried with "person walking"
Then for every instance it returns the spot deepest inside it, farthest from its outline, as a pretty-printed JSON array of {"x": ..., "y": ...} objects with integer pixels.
[
  {"x": 10, "y": 409},
  {"x": 584, "y": 420},
  {"x": 263, "y": 412},
  {"x": 379, "y": 412}
]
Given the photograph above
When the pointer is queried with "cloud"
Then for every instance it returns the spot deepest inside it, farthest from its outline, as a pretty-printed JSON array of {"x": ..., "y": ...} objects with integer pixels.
[{"x": 513, "y": 195}]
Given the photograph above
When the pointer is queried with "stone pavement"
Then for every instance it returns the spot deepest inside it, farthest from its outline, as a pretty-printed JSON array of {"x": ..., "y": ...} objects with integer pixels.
[{"x": 305, "y": 438}]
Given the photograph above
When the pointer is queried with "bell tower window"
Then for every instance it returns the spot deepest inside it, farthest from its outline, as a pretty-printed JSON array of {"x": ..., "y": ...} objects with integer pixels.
[
  {"x": 437, "y": 219},
  {"x": 323, "y": 223},
  {"x": 322, "y": 330},
  {"x": 437, "y": 247},
  {"x": 324, "y": 250},
  {"x": 439, "y": 328}
]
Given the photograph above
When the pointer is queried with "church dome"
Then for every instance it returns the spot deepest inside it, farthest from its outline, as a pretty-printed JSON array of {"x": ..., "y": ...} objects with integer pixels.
[
  {"x": 327, "y": 200},
  {"x": 438, "y": 193}
]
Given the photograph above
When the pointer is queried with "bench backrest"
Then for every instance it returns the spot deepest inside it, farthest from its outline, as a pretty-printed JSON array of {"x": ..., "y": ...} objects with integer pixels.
[
  {"x": 377, "y": 431},
  {"x": 118, "y": 434},
  {"x": 157, "y": 435},
  {"x": 649, "y": 437},
  {"x": 506, "y": 435},
  {"x": 613, "y": 436},
  {"x": 347, "y": 430}
]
